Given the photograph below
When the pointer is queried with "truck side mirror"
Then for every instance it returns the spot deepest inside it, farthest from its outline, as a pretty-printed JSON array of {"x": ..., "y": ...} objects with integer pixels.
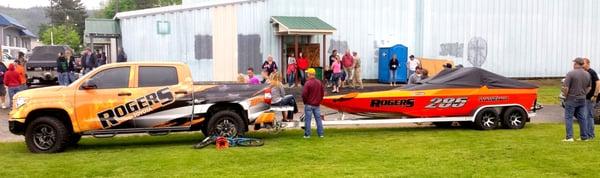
[{"x": 89, "y": 84}]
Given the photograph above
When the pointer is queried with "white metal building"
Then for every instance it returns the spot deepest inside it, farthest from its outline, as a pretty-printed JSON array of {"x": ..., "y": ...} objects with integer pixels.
[{"x": 512, "y": 37}]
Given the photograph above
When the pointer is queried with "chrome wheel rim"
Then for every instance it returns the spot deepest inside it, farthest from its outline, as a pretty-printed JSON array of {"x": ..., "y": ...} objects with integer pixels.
[
  {"x": 44, "y": 137},
  {"x": 226, "y": 128},
  {"x": 489, "y": 120},
  {"x": 515, "y": 119}
]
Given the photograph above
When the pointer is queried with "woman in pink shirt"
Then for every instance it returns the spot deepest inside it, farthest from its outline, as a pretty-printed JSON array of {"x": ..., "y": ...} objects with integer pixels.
[{"x": 337, "y": 75}]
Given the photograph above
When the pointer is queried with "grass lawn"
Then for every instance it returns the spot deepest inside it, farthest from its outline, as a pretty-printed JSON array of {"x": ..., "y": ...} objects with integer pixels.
[
  {"x": 536, "y": 151},
  {"x": 548, "y": 94},
  {"x": 548, "y": 90}
]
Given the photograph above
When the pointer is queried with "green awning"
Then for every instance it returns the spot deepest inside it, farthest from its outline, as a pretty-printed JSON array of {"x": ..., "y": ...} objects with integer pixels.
[
  {"x": 102, "y": 27},
  {"x": 288, "y": 25}
]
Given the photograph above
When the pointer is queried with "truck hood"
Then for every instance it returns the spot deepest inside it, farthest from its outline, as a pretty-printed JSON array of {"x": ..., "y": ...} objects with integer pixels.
[{"x": 36, "y": 91}]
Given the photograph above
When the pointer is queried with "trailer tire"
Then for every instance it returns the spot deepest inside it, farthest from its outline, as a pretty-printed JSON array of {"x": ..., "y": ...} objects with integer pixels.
[
  {"x": 46, "y": 135},
  {"x": 514, "y": 118},
  {"x": 225, "y": 123},
  {"x": 487, "y": 119}
]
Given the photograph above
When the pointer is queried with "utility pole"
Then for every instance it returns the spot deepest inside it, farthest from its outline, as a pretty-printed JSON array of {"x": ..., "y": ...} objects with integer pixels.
[{"x": 117, "y": 7}]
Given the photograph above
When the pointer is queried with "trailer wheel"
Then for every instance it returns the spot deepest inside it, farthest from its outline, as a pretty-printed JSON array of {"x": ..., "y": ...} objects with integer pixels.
[
  {"x": 487, "y": 119},
  {"x": 514, "y": 118},
  {"x": 225, "y": 123}
]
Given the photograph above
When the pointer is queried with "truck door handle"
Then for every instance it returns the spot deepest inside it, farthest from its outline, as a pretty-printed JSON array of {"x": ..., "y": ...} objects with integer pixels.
[
  {"x": 181, "y": 92},
  {"x": 124, "y": 94}
]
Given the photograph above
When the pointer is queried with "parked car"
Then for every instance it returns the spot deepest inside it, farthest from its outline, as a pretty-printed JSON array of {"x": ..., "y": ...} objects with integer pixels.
[
  {"x": 41, "y": 65},
  {"x": 154, "y": 98}
]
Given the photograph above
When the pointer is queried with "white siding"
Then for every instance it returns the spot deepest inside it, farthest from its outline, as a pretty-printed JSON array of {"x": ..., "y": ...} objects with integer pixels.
[
  {"x": 525, "y": 38},
  {"x": 362, "y": 24},
  {"x": 141, "y": 41},
  {"x": 533, "y": 38}
]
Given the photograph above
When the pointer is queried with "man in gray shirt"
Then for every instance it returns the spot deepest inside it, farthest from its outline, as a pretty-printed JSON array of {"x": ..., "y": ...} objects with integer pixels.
[{"x": 576, "y": 85}]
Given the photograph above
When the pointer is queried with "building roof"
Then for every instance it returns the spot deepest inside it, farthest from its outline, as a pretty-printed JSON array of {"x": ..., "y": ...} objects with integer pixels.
[
  {"x": 301, "y": 25},
  {"x": 6, "y": 20},
  {"x": 178, "y": 8},
  {"x": 101, "y": 27}
]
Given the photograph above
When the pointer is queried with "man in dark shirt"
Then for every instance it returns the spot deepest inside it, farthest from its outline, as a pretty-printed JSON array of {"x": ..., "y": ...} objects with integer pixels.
[
  {"x": 121, "y": 56},
  {"x": 312, "y": 95},
  {"x": 591, "y": 98},
  {"x": 88, "y": 61},
  {"x": 576, "y": 85}
]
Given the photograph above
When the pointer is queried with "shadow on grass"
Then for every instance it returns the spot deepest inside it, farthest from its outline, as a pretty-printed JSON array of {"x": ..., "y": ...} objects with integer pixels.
[{"x": 190, "y": 139}]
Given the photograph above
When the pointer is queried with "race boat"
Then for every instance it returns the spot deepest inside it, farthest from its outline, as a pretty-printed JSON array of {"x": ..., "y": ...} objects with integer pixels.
[{"x": 472, "y": 95}]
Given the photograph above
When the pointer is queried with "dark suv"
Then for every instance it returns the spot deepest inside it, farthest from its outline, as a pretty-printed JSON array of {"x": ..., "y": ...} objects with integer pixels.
[{"x": 41, "y": 66}]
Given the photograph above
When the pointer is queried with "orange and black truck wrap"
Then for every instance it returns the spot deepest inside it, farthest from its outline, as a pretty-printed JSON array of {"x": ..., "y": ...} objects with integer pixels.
[{"x": 135, "y": 97}]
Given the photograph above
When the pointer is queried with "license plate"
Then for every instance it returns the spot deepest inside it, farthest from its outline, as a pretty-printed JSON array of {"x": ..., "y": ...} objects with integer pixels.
[{"x": 36, "y": 81}]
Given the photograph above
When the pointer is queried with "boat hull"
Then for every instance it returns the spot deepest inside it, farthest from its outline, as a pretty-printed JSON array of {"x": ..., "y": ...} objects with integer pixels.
[{"x": 429, "y": 103}]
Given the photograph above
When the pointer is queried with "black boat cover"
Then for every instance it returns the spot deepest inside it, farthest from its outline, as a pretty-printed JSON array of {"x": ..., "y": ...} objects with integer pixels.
[{"x": 469, "y": 77}]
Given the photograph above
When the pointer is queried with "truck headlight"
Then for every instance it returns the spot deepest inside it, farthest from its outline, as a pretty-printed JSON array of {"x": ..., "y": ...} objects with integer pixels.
[{"x": 20, "y": 101}]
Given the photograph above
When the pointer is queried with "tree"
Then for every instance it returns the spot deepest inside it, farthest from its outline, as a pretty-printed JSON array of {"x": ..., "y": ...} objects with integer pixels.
[
  {"x": 63, "y": 35},
  {"x": 109, "y": 10},
  {"x": 67, "y": 12}
]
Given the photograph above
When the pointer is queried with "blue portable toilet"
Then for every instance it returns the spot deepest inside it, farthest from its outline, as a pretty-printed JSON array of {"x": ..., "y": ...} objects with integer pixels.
[{"x": 385, "y": 55}]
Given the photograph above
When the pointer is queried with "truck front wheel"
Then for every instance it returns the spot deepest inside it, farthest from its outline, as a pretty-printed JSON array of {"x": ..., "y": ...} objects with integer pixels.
[
  {"x": 225, "y": 123},
  {"x": 46, "y": 135}
]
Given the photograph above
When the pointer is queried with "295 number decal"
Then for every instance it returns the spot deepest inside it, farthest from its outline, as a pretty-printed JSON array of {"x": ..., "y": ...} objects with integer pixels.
[{"x": 447, "y": 102}]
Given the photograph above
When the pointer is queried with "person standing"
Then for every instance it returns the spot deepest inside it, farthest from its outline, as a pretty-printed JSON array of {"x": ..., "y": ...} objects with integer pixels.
[
  {"x": 356, "y": 76},
  {"x": 71, "y": 66},
  {"x": 312, "y": 95},
  {"x": 302, "y": 67},
  {"x": 121, "y": 55},
  {"x": 591, "y": 98},
  {"x": 348, "y": 65},
  {"x": 62, "y": 68},
  {"x": 88, "y": 61},
  {"x": 393, "y": 66},
  {"x": 576, "y": 85},
  {"x": 291, "y": 71},
  {"x": 270, "y": 66},
  {"x": 412, "y": 65},
  {"x": 102, "y": 59},
  {"x": 20, "y": 69},
  {"x": 13, "y": 82},
  {"x": 3, "y": 70},
  {"x": 337, "y": 75},
  {"x": 252, "y": 79},
  {"x": 329, "y": 72}
]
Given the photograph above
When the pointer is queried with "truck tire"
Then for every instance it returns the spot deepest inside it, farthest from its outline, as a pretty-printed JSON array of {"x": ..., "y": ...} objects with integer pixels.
[
  {"x": 514, "y": 118},
  {"x": 46, "y": 135},
  {"x": 225, "y": 123},
  {"x": 487, "y": 119}
]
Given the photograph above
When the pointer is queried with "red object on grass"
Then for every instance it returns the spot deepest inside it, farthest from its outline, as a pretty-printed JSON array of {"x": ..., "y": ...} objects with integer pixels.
[{"x": 222, "y": 143}]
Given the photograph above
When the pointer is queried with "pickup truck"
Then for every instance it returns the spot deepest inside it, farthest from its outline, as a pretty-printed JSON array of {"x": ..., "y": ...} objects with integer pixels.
[{"x": 134, "y": 97}]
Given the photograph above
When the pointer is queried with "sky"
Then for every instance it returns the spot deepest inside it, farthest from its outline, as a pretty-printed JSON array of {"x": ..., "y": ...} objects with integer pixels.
[{"x": 89, "y": 4}]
